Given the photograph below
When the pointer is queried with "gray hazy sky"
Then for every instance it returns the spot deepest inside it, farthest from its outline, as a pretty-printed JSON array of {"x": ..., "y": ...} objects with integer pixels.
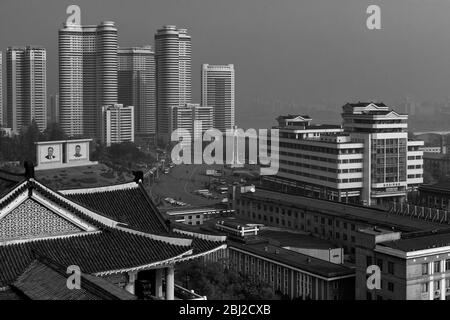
[{"x": 287, "y": 53}]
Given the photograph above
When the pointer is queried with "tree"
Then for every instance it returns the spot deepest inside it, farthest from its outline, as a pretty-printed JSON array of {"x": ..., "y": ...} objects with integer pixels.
[
  {"x": 220, "y": 283},
  {"x": 27, "y": 140},
  {"x": 54, "y": 132}
]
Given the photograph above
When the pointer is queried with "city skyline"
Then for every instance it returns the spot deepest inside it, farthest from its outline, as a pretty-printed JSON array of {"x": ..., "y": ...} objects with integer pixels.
[
  {"x": 388, "y": 74},
  {"x": 247, "y": 150}
]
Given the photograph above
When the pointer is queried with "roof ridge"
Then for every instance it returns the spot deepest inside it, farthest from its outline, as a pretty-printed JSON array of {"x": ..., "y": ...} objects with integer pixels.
[
  {"x": 203, "y": 236},
  {"x": 123, "y": 186},
  {"x": 168, "y": 239}
]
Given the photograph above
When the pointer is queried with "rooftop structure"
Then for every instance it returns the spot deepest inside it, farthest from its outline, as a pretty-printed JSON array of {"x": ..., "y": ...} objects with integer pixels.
[{"x": 114, "y": 232}]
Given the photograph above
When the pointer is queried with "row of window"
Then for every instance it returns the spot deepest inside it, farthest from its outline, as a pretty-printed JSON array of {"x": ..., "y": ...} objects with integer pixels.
[
  {"x": 308, "y": 157},
  {"x": 415, "y": 158},
  {"x": 323, "y": 169},
  {"x": 318, "y": 177},
  {"x": 436, "y": 267},
  {"x": 380, "y": 264},
  {"x": 326, "y": 150}
]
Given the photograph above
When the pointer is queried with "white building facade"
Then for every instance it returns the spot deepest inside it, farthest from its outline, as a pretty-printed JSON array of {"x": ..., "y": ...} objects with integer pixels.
[
  {"x": 218, "y": 91},
  {"x": 117, "y": 124},
  {"x": 173, "y": 74},
  {"x": 87, "y": 76},
  {"x": 137, "y": 87},
  {"x": 26, "y": 90},
  {"x": 368, "y": 160}
]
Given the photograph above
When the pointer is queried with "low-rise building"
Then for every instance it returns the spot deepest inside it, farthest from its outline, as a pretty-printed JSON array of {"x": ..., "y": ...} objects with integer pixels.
[
  {"x": 412, "y": 267},
  {"x": 326, "y": 219},
  {"x": 294, "y": 264},
  {"x": 435, "y": 195}
]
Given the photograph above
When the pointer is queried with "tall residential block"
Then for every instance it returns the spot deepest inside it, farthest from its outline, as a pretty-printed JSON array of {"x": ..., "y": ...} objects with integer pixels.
[
  {"x": 218, "y": 92},
  {"x": 173, "y": 72},
  {"x": 26, "y": 73},
  {"x": 87, "y": 76},
  {"x": 117, "y": 124},
  {"x": 53, "y": 109},
  {"x": 137, "y": 87}
]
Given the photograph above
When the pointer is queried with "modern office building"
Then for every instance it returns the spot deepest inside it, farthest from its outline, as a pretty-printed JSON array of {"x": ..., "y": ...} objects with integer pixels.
[
  {"x": 218, "y": 92},
  {"x": 367, "y": 160},
  {"x": 137, "y": 87},
  {"x": 26, "y": 90},
  {"x": 87, "y": 76},
  {"x": 117, "y": 124},
  {"x": 173, "y": 72},
  {"x": 53, "y": 109}
]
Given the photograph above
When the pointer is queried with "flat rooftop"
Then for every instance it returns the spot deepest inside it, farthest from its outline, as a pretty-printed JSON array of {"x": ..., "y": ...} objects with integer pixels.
[
  {"x": 365, "y": 215},
  {"x": 286, "y": 238},
  {"x": 294, "y": 259},
  {"x": 436, "y": 156},
  {"x": 419, "y": 243},
  {"x": 437, "y": 187}
]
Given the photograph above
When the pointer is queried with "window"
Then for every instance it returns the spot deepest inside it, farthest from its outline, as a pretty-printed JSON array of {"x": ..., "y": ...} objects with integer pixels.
[
  {"x": 391, "y": 286},
  {"x": 437, "y": 266},
  {"x": 424, "y": 268},
  {"x": 437, "y": 285},
  {"x": 424, "y": 287},
  {"x": 447, "y": 265},
  {"x": 380, "y": 264},
  {"x": 390, "y": 267}
]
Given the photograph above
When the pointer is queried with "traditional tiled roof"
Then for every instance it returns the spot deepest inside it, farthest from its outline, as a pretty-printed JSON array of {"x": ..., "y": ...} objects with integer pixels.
[
  {"x": 123, "y": 231},
  {"x": 98, "y": 253},
  {"x": 45, "y": 280},
  {"x": 128, "y": 204}
]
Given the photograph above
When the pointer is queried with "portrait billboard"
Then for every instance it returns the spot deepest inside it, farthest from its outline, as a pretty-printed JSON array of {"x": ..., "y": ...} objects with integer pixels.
[
  {"x": 77, "y": 151},
  {"x": 50, "y": 153}
]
